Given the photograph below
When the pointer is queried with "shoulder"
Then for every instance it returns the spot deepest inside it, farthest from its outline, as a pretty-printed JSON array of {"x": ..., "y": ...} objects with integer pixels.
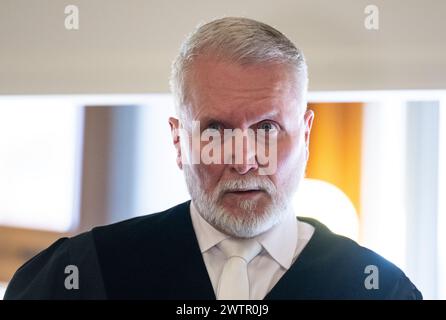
[
  {"x": 152, "y": 226},
  {"x": 52, "y": 273},
  {"x": 38, "y": 277},
  {"x": 351, "y": 266},
  {"x": 43, "y": 276}
]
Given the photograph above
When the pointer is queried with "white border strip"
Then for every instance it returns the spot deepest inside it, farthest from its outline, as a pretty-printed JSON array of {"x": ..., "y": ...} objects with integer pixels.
[{"x": 441, "y": 219}]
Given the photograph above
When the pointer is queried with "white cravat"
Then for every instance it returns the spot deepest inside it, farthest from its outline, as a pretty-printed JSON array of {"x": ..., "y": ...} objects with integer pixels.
[
  {"x": 281, "y": 244},
  {"x": 234, "y": 282}
]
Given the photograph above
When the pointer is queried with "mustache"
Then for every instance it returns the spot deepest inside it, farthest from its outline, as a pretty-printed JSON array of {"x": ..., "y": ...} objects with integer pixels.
[{"x": 253, "y": 183}]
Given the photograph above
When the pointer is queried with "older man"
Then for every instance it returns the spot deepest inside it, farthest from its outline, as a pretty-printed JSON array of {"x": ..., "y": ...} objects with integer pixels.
[{"x": 238, "y": 81}]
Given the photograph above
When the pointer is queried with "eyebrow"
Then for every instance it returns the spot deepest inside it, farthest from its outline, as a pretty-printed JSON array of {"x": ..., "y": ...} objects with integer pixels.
[{"x": 273, "y": 115}]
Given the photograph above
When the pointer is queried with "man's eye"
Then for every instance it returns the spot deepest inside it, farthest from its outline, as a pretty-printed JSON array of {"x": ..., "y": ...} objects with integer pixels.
[
  {"x": 267, "y": 126},
  {"x": 214, "y": 126}
]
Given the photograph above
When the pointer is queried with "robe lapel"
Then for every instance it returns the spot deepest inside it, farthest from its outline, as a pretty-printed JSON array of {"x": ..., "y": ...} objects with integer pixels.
[
  {"x": 191, "y": 280},
  {"x": 153, "y": 257},
  {"x": 301, "y": 280}
]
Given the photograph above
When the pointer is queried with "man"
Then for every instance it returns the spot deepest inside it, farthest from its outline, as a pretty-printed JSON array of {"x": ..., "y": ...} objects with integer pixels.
[{"x": 238, "y": 237}]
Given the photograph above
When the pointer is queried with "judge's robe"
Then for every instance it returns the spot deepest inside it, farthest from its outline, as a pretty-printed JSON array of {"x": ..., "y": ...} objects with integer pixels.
[{"x": 158, "y": 257}]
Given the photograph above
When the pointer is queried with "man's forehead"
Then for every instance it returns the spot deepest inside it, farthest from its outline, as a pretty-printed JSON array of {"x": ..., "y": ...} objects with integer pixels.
[
  {"x": 236, "y": 114},
  {"x": 230, "y": 92},
  {"x": 222, "y": 74}
]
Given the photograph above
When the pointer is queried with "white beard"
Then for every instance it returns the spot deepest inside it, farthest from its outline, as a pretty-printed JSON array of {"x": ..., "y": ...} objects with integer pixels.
[{"x": 251, "y": 222}]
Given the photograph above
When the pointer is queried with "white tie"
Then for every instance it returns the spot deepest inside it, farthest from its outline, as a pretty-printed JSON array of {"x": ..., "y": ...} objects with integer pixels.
[{"x": 234, "y": 283}]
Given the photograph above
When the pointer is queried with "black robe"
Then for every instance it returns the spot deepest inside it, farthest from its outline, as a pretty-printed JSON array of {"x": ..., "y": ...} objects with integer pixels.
[{"x": 157, "y": 257}]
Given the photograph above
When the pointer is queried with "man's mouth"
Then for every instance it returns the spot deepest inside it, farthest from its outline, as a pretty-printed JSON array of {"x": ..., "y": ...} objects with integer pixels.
[{"x": 246, "y": 192}]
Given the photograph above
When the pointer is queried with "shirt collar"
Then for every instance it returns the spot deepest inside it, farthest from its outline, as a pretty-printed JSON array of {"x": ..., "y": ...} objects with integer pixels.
[
  {"x": 280, "y": 241},
  {"x": 207, "y": 235}
]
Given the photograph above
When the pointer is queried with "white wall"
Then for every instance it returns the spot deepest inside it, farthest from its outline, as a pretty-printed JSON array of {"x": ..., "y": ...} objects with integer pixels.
[{"x": 127, "y": 46}]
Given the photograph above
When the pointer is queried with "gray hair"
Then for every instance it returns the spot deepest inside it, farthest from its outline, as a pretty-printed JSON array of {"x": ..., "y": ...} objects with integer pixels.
[{"x": 241, "y": 40}]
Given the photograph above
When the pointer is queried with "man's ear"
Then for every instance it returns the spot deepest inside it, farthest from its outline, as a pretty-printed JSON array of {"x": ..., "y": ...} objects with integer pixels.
[
  {"x": 308, "y": 122},
  {"x": 174, "y": 130}
]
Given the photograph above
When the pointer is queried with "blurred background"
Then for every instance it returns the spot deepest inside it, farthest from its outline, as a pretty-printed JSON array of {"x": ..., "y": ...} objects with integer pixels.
[{"x": 84, "y": 137}]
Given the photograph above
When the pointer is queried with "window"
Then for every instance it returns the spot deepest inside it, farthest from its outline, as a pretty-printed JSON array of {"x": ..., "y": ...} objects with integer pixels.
[
  {"x": 441, "y": 223},
  {"x": 403, "y": 180},
  {"x": 40, "y": 143}
]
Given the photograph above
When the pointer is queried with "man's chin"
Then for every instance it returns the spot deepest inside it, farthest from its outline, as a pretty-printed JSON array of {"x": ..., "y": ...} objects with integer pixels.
[
  {"x": 247, "y": 215},
  {"x": 244, "y": 222},
  {"x": 246, "y": 230},
  {"x": 241, "y": 206}
]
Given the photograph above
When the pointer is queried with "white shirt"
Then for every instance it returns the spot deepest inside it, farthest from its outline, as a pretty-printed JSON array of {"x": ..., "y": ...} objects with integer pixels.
[{"x": 281, "y": 245}]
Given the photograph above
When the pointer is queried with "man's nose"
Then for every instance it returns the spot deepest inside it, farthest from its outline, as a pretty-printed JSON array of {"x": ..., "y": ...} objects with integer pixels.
[{"x": 244, "y": 158}]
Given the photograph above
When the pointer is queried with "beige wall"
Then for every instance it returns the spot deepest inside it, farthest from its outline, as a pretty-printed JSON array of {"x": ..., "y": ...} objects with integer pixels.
[{"x": 127, "y": 46}]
